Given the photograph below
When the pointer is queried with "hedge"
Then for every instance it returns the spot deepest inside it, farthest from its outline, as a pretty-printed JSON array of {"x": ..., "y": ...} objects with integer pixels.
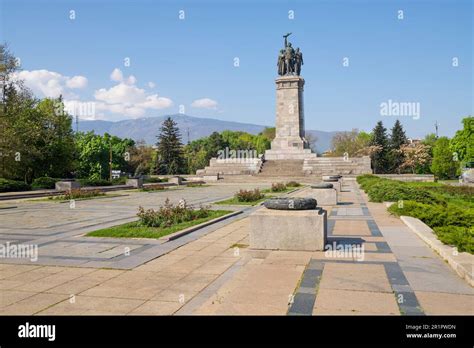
[{"x": 13, "y": 185}]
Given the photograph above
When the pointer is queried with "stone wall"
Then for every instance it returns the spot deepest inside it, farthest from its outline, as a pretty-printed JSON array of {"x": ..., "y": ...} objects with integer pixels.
[
  {"x": 337, "y": 166},
  {"x": 232, "y": 166},
  {"x": 408, "y": 177}
]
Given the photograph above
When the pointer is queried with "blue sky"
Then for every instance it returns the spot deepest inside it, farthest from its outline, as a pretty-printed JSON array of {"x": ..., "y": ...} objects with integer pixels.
[{"x": 190, "y": 62}]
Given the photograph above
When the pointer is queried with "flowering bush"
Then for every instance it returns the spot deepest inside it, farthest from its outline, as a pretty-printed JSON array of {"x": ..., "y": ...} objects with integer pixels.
[
  {"x": 170, "y": 214},
  {"x": 249, "y": 195},
  {"x": 278, "y": 187}
]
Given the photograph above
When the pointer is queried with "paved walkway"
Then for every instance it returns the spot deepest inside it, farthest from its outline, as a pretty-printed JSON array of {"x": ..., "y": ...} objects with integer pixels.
[
  {"x": 218, "y": 274},
  {"x": 58, "y": 229}
]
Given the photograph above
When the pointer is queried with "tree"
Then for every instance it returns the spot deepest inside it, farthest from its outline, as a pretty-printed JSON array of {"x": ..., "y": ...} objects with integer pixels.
[
  {"x": 414, "y": 156},
  {"x": 269, "y": 133},
  {"x": 352, "y": 143},
  {"x": 443, "y": 165},
  {"x": 312, "y": 140},
  {"x": 141, "y": 159},
  {"x": 379, "y": 139},
  {"x": 170, "y": 149},
  {"x": 462, "y": 144},
  {"x": 397, "y": 140},
  {"x": 94, "y": 154}
]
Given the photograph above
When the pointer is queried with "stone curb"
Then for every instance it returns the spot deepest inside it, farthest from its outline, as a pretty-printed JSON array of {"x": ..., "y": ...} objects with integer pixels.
[
  {"x": 188, "y": 230},
  {"x": 462, "y": 264}
]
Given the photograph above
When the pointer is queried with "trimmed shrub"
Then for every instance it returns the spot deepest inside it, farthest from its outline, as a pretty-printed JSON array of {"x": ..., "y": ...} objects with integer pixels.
[
  {"x": 461, "y": 237},
  {"x": 95, "y": 182},
  {"x": 278, "y": 187},
  {"x": 393, "y": 191},
  {"x": 13, "y": 185},
  {"x": 249, "y": 195},
  {"x": 462, "y": 192},
  {"x": 435, "y": 215},
  {"x": 155, "y": 180},
  {"x": 381, "y": 189},
  {"x": 119, "y": 181},
  {"x": 44, "y": 182}
]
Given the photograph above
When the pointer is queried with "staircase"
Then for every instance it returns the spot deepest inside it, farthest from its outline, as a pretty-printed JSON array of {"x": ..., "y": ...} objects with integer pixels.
[{"x": 275, "y": 168}]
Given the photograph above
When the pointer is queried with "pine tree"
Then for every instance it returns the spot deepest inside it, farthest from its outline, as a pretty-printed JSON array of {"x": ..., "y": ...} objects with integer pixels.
[
  {"x": 380, "y": 140},
  {"x": 170, "y": 158},
  {"x": 397, "y": 140}
]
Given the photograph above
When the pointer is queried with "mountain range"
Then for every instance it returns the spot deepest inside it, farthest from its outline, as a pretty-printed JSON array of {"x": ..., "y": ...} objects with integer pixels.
[{"x": 191, "y": 128}]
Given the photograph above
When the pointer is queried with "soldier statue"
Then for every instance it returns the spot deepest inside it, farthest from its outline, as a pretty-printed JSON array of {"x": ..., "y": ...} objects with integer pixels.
[
  {"x": 289, "y": 60},
  {"x": 281, "y": 63},
  {"x": 298, "y": 61}
]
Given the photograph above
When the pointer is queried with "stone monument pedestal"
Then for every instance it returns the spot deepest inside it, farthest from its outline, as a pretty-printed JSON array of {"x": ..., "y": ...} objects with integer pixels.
[
  {"x": 289, "y": 142},
  {"x": 304, "y": 230},
  {"x": 324, "y": 196}
]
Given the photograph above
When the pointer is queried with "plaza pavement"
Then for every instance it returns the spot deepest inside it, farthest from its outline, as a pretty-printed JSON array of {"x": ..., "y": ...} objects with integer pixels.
[{"x": 214, "y": 272}]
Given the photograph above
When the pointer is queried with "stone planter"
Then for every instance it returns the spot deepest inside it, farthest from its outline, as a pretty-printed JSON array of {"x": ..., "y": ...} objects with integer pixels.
[
  {"x": 177, "y": 180},
  {"x": 304, "y": 230},
  {"x": 290, "y": 224},
  {"x": 211, "y": 177},
  {"x": 136, "y": 183},
  {"x": 324, "y": 195},
  {"x": 67, "y": 185}
]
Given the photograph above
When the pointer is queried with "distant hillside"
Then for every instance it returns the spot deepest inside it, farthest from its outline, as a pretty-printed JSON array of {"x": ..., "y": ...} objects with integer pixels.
[{"x": 147, "y": 128}]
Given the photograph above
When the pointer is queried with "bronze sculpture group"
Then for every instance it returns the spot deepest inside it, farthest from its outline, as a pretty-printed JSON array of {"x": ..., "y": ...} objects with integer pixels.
[{"x": 289, "y": 59}]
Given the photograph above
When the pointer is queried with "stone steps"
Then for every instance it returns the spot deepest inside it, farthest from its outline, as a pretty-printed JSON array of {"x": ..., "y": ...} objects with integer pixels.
[{"x": 275, "y": 168}]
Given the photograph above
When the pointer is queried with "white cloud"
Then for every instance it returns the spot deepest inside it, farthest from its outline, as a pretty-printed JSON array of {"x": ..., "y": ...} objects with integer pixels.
[
  {"x": 116, "y": 75},
  {"x": 204, "y": 103},
  {"x": 77, "y": 82},
  {"x": 129, "y": 100},
  {"x": 45, "y": 83},
  {"x": 151, "y": 84},
  {"x": 131, "y": 80},
  {"x": 122, "y": 99}
]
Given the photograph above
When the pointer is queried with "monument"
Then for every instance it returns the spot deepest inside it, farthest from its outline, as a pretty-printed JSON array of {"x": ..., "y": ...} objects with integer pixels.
[
  {"x": 290, "y": 153},
  {"x": 289, "y": 141}
]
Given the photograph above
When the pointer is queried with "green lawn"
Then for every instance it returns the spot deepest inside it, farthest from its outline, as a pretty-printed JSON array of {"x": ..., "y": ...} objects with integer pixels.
[
  {"x": 61, "y": 199},
  {"x": 234, "y": 201},
  {"x": 135, "y": 230},
  {"x": 288, "y": 189}
]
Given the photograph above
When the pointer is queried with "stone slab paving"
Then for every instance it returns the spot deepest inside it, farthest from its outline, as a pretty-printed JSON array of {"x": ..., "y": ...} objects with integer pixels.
[
  {"x": 58, "y": 230},
  {"x": 216, "y": 273}
]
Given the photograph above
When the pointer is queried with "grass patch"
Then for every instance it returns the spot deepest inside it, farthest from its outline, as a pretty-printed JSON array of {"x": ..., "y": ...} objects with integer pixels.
[
  {"x": 137, "y": 230},
  {"x": 238, "y": 245},
  {"x": 235, "y": 201},
  {"x": 61, "y": 199},
  {"x": 196, "y": 185}
]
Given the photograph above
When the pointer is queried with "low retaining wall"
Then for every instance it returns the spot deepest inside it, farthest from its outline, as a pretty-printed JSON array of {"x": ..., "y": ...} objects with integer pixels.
[
  {"x": 408, "y": 177},
  {"x": 461, "y": 262}
]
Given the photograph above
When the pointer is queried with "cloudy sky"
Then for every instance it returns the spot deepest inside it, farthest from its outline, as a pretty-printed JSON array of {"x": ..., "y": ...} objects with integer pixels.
[{"x": 132, "y": 59}]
